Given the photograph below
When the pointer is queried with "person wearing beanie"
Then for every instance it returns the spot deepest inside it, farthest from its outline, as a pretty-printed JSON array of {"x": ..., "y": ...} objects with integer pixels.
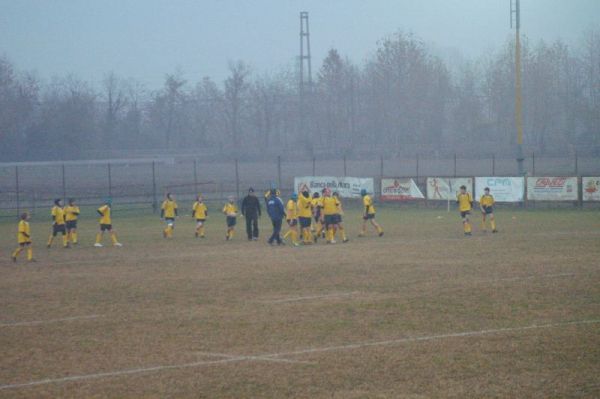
[{"x": 251, "y": 211}]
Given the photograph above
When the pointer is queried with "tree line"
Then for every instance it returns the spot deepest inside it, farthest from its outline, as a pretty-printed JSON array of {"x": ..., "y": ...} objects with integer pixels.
[{"x": 402, "y": 100}]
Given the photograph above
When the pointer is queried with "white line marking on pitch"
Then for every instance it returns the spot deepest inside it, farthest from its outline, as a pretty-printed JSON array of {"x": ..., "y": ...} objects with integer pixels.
[
  {"x": 528, "y": 277},
  {"x": 306, "y": 298},
  {"x": 38, "y": 322},
  {"x": 251, "y": 357},
  {"x": 233, "y": 359}
]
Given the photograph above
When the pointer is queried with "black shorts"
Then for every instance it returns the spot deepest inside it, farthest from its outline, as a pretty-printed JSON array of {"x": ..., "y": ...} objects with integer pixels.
[
  {"x": 292, "y": 222},
  {"x": 464, "y": 214},
  {"x": 71, "y": 224},
  {"x": 317, "y": 216},
  {"x": 58, "y": 228},
  {"x": 488, "y": 209},
  {"x": 105, "y": 227},
  {"x": 170, "y": 220},
  {"x": 338, "y": 218},
  {"x": 200, "y": 220},
  {"x": 369, "y": 216},
  {"x": 304, "y": 222},
  {"x": 330, "y": 220},
  {"x": 231, "y": 221}
]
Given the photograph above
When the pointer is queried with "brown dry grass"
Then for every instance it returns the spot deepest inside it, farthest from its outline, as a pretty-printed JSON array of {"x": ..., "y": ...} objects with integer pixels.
[{"x": 162, "y": 303}]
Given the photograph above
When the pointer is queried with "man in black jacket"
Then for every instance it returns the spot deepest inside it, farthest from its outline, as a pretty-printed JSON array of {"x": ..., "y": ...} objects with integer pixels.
[{"x": 251, "y": 211}]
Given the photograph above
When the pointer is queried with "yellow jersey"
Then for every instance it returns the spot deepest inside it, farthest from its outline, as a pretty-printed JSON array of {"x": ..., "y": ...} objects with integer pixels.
[
  {"x": 464, "y": 201},
  {"x": 304, "y": 207},
  {"x": 200, "y": 210},
  {"x": 105, "y": 212},
  {"x": 71, "y": 213},
  {"x": 330, "y": 206},
  {"x": 368, "y": 204},
  {"x": 230, "y": 209},
  {"x": 291, "y": 210},
  {"x": 58, "y": 214},
  {"x": 24, "y": 234},
  {"x": 486, "y": 201},
  {"x": 340, "y": 211},
  {"x": 169, "y": 208}
]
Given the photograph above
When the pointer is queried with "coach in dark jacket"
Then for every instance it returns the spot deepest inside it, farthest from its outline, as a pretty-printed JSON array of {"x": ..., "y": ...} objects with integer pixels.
[
  {"x": 276, "y": 212},
  {"x": 251, "y": 211}
]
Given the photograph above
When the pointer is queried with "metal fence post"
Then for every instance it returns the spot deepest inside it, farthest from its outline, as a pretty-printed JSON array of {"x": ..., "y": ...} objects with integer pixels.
[
  {"x": 493, "y": 164},
  {"x": 154, "y": 204},
  {"x": 195, "y": 177},
  {"x": 109, "y": 180},
  {"x": 314, "y": 170},
  {"x": 533, "y": 163},
  {"x": 454, "y": 164},
  {"x": 64, "y": 183},
  {"x": 381, "y": 166},
  {"x": 237, "y": 180},
  {"x": 17, "y": 190},
  {"x": 417, "y": 166},
  {"x": 576, "y": 164},
  {"x": 279, "y": 172},
  {"x": 345, "y": 173}
]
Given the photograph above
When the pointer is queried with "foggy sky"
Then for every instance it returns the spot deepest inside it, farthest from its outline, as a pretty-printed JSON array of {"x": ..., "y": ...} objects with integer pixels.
[{"x": 145, "y": 39}]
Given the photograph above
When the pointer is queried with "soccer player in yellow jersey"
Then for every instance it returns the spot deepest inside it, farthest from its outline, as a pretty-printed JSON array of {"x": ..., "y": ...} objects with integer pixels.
[
  {"x": 230, "y": 210},
  {"x": 106, "y": 224},
  {"x": 291, "y": 216},
  {"x": 338, "y": 217},
  {"x": 369, "y": 214},
  {"x": 58, "y": 224},
  {"x": 465, "y": 204},
  {"x": 168, "y": 211},
  {"x": 71, "y": 216},
  {"x": 330, "y": 209},
  {"x": 200, "y": 213},
  {"x": 24, "y": 239},
  {"x": 486, "y": 203},
  {"x": 304, "y": 206},
  {"x": 318, "y": 227}
]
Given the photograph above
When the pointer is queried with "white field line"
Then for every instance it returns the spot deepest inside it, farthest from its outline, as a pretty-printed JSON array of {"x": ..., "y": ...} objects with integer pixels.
[
  {"x": 250, "y": 357},
  {"x": 38, "y": 322},
  {"x": 307, "y": 298},
  {"x": 532, "y": 277},
  {"x": 234, "y": 359}
]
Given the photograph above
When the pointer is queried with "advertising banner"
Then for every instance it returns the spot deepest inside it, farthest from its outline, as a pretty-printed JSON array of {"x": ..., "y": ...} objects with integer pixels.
[
  {"x": 444, "y": 188},
  {"x": 591, "y": 188},
  {"x": 348, "y": 187},
  {"x": 400, "y": 190},
  {"x": 504, "y": 189},
  {"x": 552, "y": 188}
]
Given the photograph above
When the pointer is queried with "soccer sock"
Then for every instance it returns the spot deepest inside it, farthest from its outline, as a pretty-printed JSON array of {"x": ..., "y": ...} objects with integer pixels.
[
  {"x": 74, "y": 237},
  {"x": 379, "y": 229},
  {"x": 201, "y": 230},
  {"x": 467, "y": 227},
  {"x": 287, "y": 234},
  {"x": 483, "y": 224},
  {"x": 343, "y": 233},
  {"x": 98, "y": 238},
  {"x": 17, "y": 252},
  {"x": 330, "y": 234},
  {"x": 294, "y": 236},
  {"x": 65, "y": 239},
  {"x": 113, "y": 237},
  {"x": 29, "y": 253},
  {"x": 230, "y": 233},
  {"x": 50, "y": 240},
  {"x": 493, "y": 223}
]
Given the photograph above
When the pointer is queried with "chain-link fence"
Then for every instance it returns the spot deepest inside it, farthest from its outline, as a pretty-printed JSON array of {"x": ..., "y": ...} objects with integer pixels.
[{"x": 141, "y": 183}]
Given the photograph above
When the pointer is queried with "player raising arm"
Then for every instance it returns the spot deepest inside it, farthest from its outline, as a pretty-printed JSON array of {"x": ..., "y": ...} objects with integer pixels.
[{"x": 106, "y": 224}]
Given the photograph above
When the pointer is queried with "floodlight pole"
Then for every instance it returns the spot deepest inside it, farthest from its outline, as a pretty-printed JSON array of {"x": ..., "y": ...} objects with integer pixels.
[{"x": 515, "y": 13}]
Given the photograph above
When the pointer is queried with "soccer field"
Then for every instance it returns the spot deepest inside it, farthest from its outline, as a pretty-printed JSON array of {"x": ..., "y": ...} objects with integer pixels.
[{"x": 421, "y": 312}]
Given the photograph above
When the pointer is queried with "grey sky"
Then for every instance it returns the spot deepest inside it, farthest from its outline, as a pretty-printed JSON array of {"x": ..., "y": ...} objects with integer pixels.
[{"x": 145, "y": 39}]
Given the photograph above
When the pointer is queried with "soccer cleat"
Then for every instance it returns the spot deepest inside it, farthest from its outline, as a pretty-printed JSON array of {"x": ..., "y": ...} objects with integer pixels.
[
  {"x": 346, "y": 240},
  {"x": 227, "y": 237},
  {"x": 202, "y": 236},
  {"x": 494, "y": 231},
  {"x": 118, "y": 244},
  {"x": 381, "y": 234},
  {"x": 196, "y": 234},
  {"x": 164, "y": 234},
  {"x": 331, "y": 242},
  {"x": 47, "y": 245},
  {"x": 14, "y": 258},
  {"x": 32, "y": 260},
  {"x": 468, "y": 234},
  {"x": 98, "y": 245}
]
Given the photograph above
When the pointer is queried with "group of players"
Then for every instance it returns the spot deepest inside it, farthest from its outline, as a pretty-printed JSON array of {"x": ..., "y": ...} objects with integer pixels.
[{"x": 308, "y": 218}]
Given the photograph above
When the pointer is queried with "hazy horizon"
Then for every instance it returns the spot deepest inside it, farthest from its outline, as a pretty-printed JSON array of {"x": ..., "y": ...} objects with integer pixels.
[{"x": 145, "y": 40}]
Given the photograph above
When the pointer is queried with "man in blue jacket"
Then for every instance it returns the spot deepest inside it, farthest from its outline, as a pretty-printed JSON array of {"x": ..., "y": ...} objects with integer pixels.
[{"x": 276, "y": 212}]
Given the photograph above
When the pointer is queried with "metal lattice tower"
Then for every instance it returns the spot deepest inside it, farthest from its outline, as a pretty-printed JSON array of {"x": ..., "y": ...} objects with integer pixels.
[
  {"x": 515, "y": 21},
  {"x": 305, "y": 61}
]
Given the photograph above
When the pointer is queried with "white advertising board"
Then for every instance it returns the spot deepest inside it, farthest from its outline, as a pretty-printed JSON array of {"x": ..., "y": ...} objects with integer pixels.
[
  {"x": 348, "y": 187},
  {"x": 591, "y": 188},
  {"x": 400, "y": 190},
  {"x": 503, "y": 189},
  {"x": 444, "y": 188},
  {"x": 552, "y": 188}
]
